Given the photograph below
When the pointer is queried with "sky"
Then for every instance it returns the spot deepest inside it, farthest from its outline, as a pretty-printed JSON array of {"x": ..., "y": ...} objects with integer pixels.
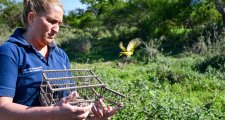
[
  {"x": 69, "y": 5},
  {"x": 72, "y": 5}
]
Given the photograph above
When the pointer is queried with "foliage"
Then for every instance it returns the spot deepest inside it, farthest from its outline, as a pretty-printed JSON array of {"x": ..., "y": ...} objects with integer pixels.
[
  {"x": 93, "y": 43},
  {"x": 215, "y": 62},
  {"x": 80, "y": 19},
  {"x": 168, "y": 88},
  {"x": 10, "y": 13},
  {"x": 178, "y": 20},
  {"x": 4, "y": 33},
  {"x": 209, "y": 43},
  {"x": 152, "y": 47}
]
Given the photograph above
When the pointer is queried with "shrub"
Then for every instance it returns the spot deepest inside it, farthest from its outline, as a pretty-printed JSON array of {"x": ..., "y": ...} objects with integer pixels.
[
  {"x": 215, "y": 62},
  {"x": 5, "y": 32}
]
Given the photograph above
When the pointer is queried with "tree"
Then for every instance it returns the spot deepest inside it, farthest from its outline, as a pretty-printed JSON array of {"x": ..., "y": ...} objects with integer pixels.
[
  {"x": 220, "y": 6},
  {"x": 10, "y": 13}
]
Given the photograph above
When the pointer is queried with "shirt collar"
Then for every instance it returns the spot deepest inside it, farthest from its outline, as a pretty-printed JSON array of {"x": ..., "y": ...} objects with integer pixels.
[{"x": 17, "y": 37}]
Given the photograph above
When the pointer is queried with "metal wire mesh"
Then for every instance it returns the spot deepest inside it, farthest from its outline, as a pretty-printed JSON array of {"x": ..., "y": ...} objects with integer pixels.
[{"x": 57, "y": 84}]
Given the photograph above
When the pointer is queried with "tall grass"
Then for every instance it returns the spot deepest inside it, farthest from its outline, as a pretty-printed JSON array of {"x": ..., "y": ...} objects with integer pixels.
[{"x": 169, "y": 88}]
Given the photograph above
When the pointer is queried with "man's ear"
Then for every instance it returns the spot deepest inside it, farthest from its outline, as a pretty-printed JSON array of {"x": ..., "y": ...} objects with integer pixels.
[{"x": 30, "y": 17}]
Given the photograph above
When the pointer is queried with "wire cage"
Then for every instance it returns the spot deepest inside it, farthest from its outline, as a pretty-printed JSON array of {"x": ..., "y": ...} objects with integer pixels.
[{"x": 57, "y": 84}]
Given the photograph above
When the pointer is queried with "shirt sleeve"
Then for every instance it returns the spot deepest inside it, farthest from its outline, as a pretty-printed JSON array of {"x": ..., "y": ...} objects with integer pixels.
[{"x": 8, "y": 76}]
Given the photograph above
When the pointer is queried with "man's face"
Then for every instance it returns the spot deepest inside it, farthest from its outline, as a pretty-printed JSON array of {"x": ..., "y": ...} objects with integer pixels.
[{"x": 46, "y": 26}]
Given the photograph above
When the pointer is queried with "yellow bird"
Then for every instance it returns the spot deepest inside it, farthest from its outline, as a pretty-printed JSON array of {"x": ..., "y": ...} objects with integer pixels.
[{"x": 134, "y": 43}]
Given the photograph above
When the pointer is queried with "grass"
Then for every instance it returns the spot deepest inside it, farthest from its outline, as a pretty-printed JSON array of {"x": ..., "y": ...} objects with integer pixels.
[{"x": 169, "y": 88}]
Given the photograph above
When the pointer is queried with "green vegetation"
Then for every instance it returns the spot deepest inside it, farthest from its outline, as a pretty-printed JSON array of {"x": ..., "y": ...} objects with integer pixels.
[
  {"x": 177, "y": 73},
  {"x": 168, "y": 88}
]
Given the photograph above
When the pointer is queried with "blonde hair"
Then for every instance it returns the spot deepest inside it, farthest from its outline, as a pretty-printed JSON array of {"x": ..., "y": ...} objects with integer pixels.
[{"x": 38, "y": 7}]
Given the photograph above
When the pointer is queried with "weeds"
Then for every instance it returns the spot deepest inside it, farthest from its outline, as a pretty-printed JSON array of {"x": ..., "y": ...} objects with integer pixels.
[{"x": 168, "y": 88}]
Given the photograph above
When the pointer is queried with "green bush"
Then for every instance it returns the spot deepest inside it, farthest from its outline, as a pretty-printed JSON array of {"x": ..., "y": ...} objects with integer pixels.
[
  {"x": 5, "y": 32},
  {"x": 215, "y": 62}
]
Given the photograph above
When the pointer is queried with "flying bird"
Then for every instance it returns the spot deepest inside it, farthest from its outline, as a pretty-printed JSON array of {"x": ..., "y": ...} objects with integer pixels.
[{"x": 134, "y": 43}]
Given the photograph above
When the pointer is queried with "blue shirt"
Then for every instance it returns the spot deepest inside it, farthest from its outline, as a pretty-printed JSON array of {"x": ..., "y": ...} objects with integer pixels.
[{"x": 21, "y": 68}]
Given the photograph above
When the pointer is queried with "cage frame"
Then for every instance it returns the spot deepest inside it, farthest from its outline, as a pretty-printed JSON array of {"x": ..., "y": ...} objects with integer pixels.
[{"x": 47, "y": 91}]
